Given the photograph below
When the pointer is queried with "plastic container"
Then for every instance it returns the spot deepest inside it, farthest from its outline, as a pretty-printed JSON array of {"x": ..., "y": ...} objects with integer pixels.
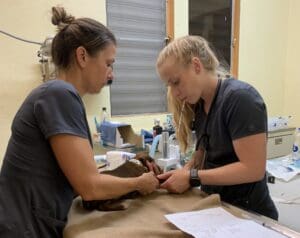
[
  {"x": 174, "y": 150},
  {"x": 296, "y": 145},
  {"x": 103, "y": 118}
]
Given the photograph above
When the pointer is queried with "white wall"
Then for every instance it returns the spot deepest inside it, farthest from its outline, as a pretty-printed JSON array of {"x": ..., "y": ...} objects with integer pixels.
[
  {"x": 181, "y": 18},
  {"x": 263, "y": 44},
  {"x": 292, "y": 68},
  {"x": 269, "y": 53}
]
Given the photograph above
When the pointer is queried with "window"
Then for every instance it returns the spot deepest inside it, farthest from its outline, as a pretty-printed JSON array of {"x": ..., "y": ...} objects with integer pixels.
[
  {"x": 140, "y": 29},
  {"x": 218, "y": 22}
]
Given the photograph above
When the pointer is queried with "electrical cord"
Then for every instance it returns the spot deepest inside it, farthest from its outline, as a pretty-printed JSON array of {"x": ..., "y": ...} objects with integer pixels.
[{"x": 19, "y": 38}]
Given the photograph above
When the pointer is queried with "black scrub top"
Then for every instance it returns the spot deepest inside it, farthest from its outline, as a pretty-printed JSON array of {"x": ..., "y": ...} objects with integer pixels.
[
  {"x": 238, "y": 111},
  {"x": 35, "y": 196}
]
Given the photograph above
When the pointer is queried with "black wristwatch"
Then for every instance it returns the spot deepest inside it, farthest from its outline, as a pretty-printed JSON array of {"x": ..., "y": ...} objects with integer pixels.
[{"x": 194, "y": 178}]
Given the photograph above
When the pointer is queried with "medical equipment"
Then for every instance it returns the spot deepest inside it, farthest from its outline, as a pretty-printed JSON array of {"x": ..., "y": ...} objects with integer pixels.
[
  {"x": 203, "y": 141},
  {"x": 280, "y": 142},
  {"x": 278, "y": 123},
  {"x": 170, "y": 152},
  {"x": 165, "y": 144},
  {"x": 48, "y": 68}
]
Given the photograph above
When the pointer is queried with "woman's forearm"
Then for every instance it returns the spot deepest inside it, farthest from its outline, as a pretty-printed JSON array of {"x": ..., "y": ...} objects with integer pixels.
[
  {"x": 231, "y": 174},
  {"x": 104, "y": 186}
]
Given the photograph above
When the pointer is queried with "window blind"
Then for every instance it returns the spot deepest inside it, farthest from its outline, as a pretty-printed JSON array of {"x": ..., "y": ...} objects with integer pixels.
[{"x": 140, "y": 29}]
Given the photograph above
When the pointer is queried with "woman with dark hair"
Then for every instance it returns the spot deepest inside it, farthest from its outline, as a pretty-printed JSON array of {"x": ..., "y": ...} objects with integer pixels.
[{"x": 49, "y": 156}]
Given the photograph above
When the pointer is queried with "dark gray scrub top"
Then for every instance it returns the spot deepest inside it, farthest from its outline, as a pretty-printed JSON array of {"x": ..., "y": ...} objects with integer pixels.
[
  {"x": 35, "y": 196},
  {"x": 238, "y": 111}
]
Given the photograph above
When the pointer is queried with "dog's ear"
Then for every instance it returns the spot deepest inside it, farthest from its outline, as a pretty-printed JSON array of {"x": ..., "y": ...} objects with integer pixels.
[{"x": 144, "y": 157}]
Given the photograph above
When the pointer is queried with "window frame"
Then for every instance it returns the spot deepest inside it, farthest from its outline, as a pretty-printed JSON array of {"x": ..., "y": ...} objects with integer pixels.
[{"x": 234, "y": 41}]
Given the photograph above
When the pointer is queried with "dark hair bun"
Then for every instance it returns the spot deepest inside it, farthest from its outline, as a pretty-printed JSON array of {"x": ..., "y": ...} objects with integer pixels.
[{"x": 60, "y": 17}]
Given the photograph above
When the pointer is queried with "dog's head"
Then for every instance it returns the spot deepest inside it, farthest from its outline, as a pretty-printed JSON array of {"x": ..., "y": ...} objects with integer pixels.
[
  {"x": 141, "y": 163},
  {"x": 135, "y": 167},
  {"x": 148, "y": 162}
]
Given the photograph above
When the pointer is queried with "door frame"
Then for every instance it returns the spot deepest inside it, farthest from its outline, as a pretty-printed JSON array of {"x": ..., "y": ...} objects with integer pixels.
[{"x": 235, "y": 29}]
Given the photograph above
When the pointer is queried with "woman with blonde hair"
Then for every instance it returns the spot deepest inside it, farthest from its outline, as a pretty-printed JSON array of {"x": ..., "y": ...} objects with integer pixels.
[{"x": 230, "y": 120}]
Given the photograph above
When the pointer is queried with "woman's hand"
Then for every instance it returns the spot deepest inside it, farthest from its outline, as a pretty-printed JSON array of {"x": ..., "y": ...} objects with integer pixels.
[
  {"x": 176, "y": 181},
  {"x": 147, "y": 183}
]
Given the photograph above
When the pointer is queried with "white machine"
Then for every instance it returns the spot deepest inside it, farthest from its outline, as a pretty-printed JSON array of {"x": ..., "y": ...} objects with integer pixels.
[
  {"x": 280, "y": 142},
  {"x": 170, "y": 153}
]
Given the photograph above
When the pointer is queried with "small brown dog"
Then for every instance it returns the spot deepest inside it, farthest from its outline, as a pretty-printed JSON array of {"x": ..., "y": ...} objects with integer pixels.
[{"x": 126, "y": 170}]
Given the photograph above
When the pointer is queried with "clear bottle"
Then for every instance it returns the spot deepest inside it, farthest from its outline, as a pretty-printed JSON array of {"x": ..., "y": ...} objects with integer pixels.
[
  {"x": 296, "y": 145},
  {"x": 103, "y": 118},
  {"x": 157, "y": 129},
  {"x": 174, "y": 150},
  {"x": 103, "y": 115}
]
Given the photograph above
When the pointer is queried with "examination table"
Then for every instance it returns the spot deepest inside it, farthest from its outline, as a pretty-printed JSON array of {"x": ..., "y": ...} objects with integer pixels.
[{"x": 144, "y": 216}]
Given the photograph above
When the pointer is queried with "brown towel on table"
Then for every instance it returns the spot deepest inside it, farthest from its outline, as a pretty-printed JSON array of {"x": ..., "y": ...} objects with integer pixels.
[{"x": 143, "y": 218}]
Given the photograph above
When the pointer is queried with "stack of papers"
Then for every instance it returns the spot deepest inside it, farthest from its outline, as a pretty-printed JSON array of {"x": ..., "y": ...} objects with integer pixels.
[
  {"x": 283, "y": 167},
  {"x": 218, "y": 223}
]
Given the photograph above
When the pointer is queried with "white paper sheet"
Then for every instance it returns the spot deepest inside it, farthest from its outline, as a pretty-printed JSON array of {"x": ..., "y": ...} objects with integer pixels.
[
  {"x": 218, "y": 223},
  {"x": 283, "y": 168}
]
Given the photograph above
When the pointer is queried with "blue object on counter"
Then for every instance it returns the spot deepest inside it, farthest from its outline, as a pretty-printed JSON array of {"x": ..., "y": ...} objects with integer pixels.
[
  {"x": 108, "y": 130},
  {"x": 154, "y": 145},
  {"x": 148, "y": 136},
  {"x": 296, "y": 163}
]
